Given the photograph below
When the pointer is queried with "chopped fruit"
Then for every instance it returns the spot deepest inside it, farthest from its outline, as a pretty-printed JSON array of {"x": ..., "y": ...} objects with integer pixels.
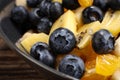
[
  {"x": 60, "y": 1},
  {"x": 84, "y": 33},
  {"x": 103, "y": 41},
  {"x": 113, "y": 24},
  {"x": 107, "y": 64},
  {"x": 67, "y": 20},
  {"x": 72, "y": 65},
  {"x": 21, "y": 3},
  {"x": 62, "y": 40},
  {"x": 117, "y": 47},
  {"x": 29, "y": 41},
  {"x": 78, "y": 13},
  {"x": 107, "y": 17},
  {"x": 41, "y": 51},
  {"x": 91, "y": 14},
  {"x": 85, "y": 3}
]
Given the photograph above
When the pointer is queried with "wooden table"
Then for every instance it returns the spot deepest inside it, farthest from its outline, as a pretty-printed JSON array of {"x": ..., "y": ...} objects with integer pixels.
[{"x": 12, "y": 67}]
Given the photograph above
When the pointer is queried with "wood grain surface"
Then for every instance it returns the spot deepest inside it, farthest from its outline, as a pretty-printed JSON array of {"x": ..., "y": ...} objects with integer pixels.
[{"x": 12, "y": 67}]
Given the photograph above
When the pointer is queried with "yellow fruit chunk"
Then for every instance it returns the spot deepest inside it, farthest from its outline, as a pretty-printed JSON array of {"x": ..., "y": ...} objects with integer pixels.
[
  {"x": 22, "y": 3},
  {"x": 113, "y": 23},
  {"x": 84, "y": 33},
  {"x": 85, "y": 3},
  {"x": 60, "y": 1},
  {"x": 107, "y": 64},
  {"x": 67, "y": 20},
  {"x": 107, "y": 17},
  {"x": 78, "y": 13},
  {"x": 29, "y": 41}
]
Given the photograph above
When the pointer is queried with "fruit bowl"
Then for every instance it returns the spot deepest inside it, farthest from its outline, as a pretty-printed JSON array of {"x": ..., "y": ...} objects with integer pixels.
[{"x": 10, "y": 35}]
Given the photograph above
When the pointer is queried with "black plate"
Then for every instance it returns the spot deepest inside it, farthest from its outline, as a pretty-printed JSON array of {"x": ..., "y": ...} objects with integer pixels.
[{"x": 10, "y": 34}]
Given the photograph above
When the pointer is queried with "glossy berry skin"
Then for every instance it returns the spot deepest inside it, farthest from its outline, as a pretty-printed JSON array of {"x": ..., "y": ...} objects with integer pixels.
[
  {"x": 102, "y": 4},
  {"x": 70, "y": 4},
  {"x": 62, "y": 41},
  {"x": 114, "y": 4},
  {"x": 19, "y": 15},
  {"x": 34, "y": 18},
  {"x": 72, "y": 65},
  {"x": 41, "y": 52},
  {"x": 56, "y": 10},
  {"x": 44, "y": 25},
  {"x": 44, "y": 8},
  {"x": 91, "y": 14},
  {"x": 32, "y": 3},
  {"x": 103, "y": 42}
]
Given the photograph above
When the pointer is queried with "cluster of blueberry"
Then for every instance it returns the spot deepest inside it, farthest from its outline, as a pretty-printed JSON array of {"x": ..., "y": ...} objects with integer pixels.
[
  {"x": 41, "y": 17},
  {"x": 45, "y": 13}
]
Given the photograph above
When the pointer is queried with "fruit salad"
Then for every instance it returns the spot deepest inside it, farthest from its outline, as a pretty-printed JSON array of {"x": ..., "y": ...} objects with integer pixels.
[{"x": 79, "y": 38}]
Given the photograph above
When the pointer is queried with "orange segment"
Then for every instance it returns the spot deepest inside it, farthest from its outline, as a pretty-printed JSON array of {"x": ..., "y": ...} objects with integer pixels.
[
  {"x": 107, "y": 64},
  {"x": 85, "y": 3}
]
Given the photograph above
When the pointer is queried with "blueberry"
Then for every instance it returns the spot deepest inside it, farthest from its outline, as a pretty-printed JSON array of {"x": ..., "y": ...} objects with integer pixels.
[
  {"x": 56, "y": 10},
  {"x": 34, "y": 18},
  {"x": 44, "y": 8},
  {"x": 114, "y": 4},
  {"x": 102, "y": 4},
  {"x": 62, "y": 41},
  {"x": 103, "y": 41},
  {"x": 44, "y": 25},
  {"x": 32, "y": 3},
  {"x": 19, "y": 15},
  {"x": 70, "y": 4},
  {"x": 72, "y": 65},
  {"x": 41, "y": 52},
  {"x": 91, "y": 14}
]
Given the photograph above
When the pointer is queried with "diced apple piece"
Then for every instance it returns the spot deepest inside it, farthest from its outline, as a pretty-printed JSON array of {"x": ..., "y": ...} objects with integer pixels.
[
  {"x": 67, "y": 20},
  {"x": 32, "y": 39}
]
